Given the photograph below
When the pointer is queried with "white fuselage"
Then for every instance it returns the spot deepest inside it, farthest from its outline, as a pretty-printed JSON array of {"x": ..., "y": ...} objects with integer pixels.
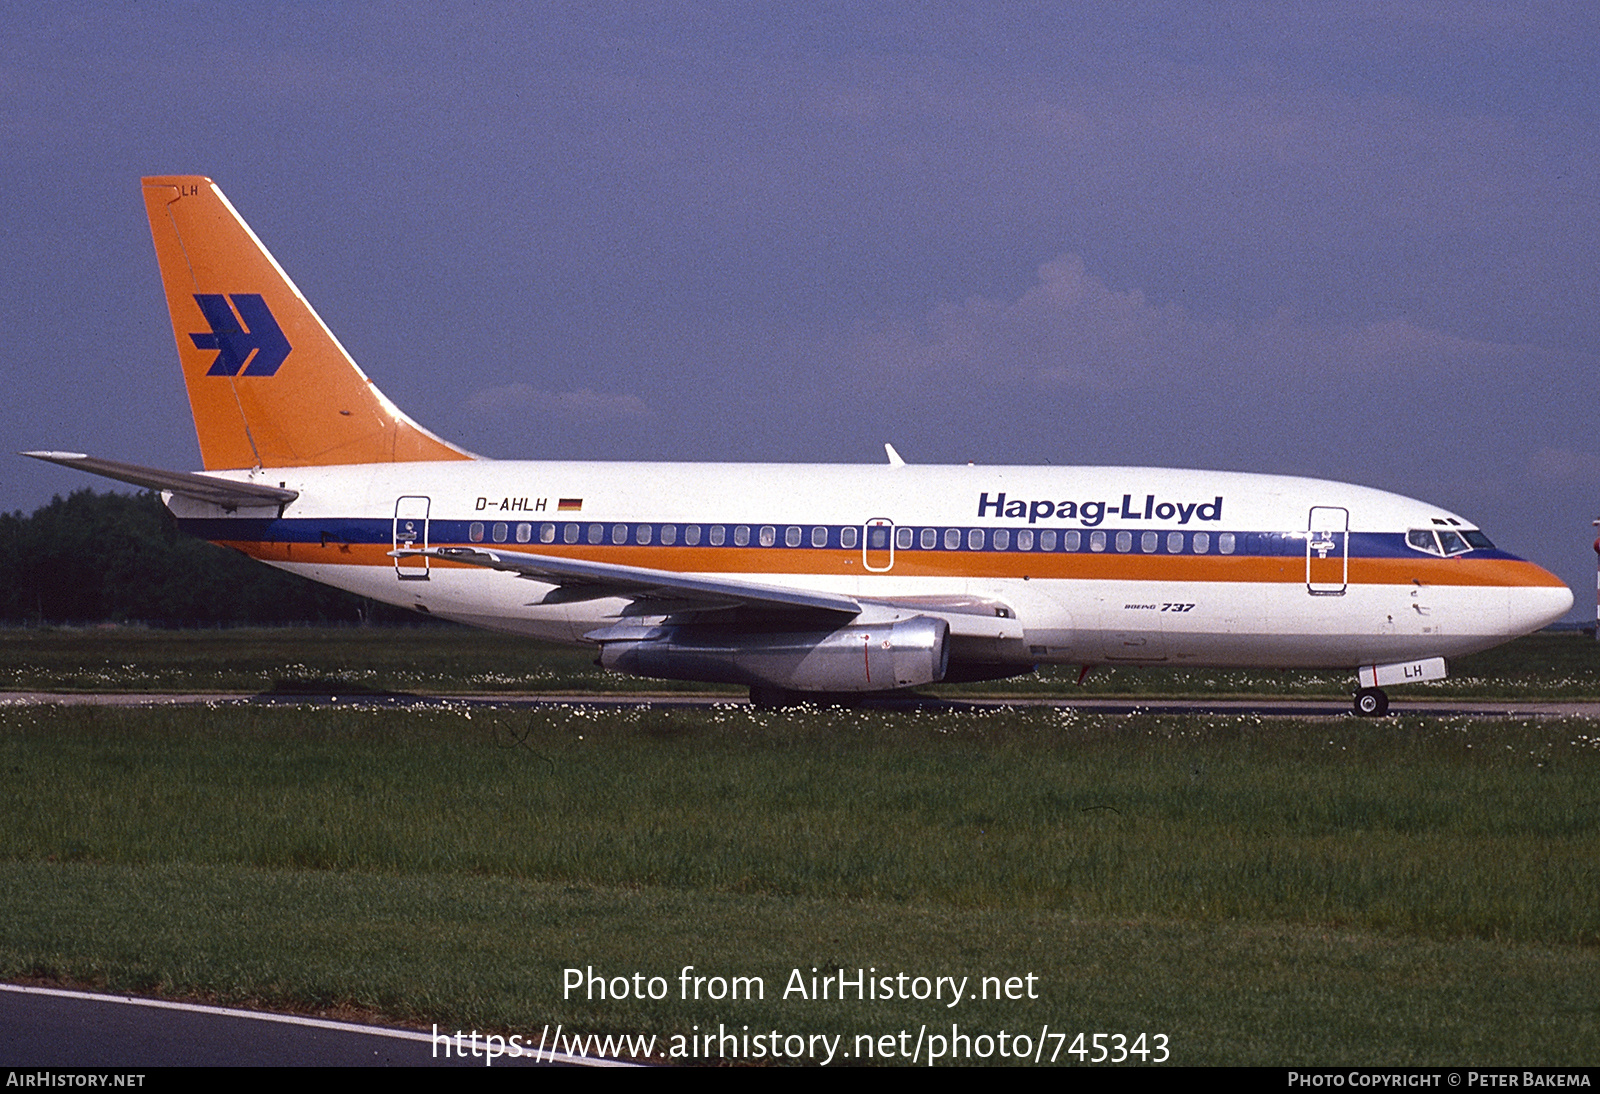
[{"x": 1081, "y": 565}]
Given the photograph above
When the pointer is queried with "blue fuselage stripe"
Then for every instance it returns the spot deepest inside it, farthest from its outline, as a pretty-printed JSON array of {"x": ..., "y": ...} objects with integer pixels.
[{"x": 531, "y": 536}]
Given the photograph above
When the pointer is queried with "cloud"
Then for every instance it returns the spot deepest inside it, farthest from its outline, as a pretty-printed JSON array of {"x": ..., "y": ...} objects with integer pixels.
[
  {"x": 1565, "y": 465},
  {"x": 1070, "y": 330},
  {"x": 582, "y": 406},
  {"x": 1067, "y": 330}
]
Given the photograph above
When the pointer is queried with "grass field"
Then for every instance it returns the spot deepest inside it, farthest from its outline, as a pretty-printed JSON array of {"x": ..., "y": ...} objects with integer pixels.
[
  {"x": 1257, "y": 890},
  {"x": 450, "y": 660}
]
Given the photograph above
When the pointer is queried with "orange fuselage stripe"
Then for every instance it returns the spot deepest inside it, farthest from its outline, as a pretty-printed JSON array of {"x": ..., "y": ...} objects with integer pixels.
[{"x": 778, "y": 562}]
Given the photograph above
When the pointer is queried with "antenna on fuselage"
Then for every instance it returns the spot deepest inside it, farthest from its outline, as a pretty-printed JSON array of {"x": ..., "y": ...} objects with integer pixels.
[{"x": 894, "y": 457}]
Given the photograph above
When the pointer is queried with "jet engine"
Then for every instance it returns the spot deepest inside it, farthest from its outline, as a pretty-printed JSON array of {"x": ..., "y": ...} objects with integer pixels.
[{"x": 856, "y": 658}]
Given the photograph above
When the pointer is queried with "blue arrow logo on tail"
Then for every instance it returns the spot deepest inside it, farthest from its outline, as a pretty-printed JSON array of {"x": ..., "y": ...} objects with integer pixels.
[{"x": 255, "y": 348}]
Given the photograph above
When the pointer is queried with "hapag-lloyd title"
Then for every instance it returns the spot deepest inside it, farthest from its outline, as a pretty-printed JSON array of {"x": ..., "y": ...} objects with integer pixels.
[{"x": 1091, "y": 513}]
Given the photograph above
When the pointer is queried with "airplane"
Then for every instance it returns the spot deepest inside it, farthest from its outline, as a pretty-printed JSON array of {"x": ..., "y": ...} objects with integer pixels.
[{"x": 793, "y": 580}]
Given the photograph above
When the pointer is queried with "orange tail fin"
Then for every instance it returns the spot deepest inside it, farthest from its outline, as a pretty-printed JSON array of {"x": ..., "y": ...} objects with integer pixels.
[{"x": 269, "y": 384}]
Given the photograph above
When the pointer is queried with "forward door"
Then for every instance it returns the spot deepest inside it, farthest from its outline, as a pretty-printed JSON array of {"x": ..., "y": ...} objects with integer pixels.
[{"x": 1328, "y": 551}]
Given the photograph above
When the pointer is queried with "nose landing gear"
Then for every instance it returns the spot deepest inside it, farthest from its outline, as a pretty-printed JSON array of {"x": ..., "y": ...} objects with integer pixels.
[{"x": 1371, "y": 703}]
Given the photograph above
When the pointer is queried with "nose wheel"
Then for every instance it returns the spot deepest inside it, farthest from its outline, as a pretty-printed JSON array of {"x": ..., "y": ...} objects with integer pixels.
[{"x": 1371, "y": 703}]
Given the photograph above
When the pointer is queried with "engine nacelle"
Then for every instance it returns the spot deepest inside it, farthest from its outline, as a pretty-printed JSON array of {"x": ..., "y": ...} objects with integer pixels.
[{"x": 859, "y": 657}]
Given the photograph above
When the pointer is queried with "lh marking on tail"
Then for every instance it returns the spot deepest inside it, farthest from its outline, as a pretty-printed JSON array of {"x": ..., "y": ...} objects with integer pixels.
[{"x": 259, "y": 335}]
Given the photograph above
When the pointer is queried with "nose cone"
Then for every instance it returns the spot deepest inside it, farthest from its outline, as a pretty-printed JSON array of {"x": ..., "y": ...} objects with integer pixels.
[{"x": 1530, "y": 607}]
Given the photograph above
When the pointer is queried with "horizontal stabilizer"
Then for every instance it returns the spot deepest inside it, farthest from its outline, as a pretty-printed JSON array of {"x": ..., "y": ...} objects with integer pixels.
[
  {"x": 223, "y": 492},
  {"x": 641, "y": 584}
]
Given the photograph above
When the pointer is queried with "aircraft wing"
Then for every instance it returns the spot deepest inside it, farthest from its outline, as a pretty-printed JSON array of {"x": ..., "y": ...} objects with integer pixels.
[
  {"x": 223, "y": 492},
  {"x": 654, "y": 592}
]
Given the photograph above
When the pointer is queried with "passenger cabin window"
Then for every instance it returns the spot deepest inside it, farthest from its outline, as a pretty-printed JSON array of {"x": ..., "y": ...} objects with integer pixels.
[
  {"x": 1225, "y": 543},
  {"x": 1072, "y": 541},
  {"x": 597, "y": 532},
  {"x": 768, "y": 535},
  {"x": 1002, "y": 539},
  {"x": 1124, "y": 540},
  {"x": 930, "y": 538},
  {"x": 619, "y": 533},
  {"x": 1025, "y": 540},
  {"x": 1047, "y": 541},
  {"x": 524, "y": 533},
  {"x": 547, "y": 533},
  {"x": 791, "y": 536},
  {"x": 641, "y": 535},
  {"x": 902, "y": 538},
  {"x": 975, "y": 539},
  {"x": 741, "y": 535},
  {"x": 1148, "y": 541},
  {"x": 952, "y": 539},
  {"x": 569, "y": 534},
  {"x": 691, "y": 535},
  {"x": 475, "y": 531},
  {"x": 819, "y": 536},
  {"x": 499, "y": 532},
  {"x": 669, "y": 534},
  {"x": 1202, "y": 542},
  {"x": 718, "y": 536},
  {"x": 1097, "y": 541},
  {"x": 848, "y": 537},
  {"x": 1174, "y": 543}
]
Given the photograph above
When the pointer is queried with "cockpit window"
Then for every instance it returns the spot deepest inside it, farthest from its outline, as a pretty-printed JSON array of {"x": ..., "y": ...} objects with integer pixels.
[
  {"x": 1422, "y": 540},
  {"x": 1443, "y": 541}
]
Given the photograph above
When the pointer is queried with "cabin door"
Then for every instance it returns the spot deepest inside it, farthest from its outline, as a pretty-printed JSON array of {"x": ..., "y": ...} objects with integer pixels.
[
  {"x": 1328, "y": 551},
  {"x": 411, "y": 531},
  {"x": 877, "y": 545}
]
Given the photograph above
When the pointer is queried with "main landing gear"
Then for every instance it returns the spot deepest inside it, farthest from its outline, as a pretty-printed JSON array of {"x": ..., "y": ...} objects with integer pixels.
[
  {"x": 767, "y": 697},
  {"x": 1371, "y": 703}
]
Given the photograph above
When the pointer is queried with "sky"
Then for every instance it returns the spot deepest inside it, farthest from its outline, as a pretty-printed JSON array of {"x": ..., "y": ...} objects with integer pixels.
[{"x": 1358, "y": 241}]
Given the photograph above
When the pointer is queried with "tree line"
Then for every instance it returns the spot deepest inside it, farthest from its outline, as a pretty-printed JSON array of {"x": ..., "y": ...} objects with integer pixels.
[{"x": 93, "y": 558}]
